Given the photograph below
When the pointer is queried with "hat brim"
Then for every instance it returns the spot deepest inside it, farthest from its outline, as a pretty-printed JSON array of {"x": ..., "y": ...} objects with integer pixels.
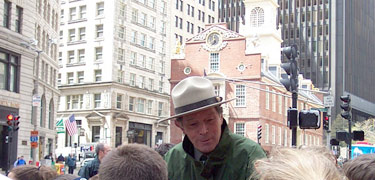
[{"x": 195, "y": 110}]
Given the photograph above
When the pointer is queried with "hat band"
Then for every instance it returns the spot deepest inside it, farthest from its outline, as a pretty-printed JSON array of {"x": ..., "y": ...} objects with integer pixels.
[{"x": 196, "y": 105}]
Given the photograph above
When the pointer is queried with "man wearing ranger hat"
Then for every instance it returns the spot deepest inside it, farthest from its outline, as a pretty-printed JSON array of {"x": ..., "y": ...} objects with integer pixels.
[{"x": 209, "y": 150}]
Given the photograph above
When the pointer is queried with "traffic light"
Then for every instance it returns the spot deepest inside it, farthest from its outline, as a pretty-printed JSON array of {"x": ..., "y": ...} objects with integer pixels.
[
  {"x": 345, "y": 106},
  {"x": 16, "y": 123},
  {"x": 309, "y": 119},
  {"x": 292, "y": 117},
  {"x": 259, "y": 132},
  {"x": 358, "y": 135},
  {"x": 325, "y": 121},
  {"x": 10, "y": 122},
  {"x": 291, "y": 68}
]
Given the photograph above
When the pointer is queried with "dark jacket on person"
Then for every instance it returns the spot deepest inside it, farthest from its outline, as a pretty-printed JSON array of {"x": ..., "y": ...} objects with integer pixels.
[
  {"x": 71, "y": 161},
  {"x": 60, "y": 159},
  {"x": 233, "y": 158},
  {"x": 90, "y": 169}
]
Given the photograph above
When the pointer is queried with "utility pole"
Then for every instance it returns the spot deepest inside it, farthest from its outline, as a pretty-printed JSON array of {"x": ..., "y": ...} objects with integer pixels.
[
  {"x": 347, "y": 115},
  {"x": 291, "y": 84}
]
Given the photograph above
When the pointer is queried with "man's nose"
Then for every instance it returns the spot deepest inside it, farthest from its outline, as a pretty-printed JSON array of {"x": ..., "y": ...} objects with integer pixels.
[{"x": 203, "y": 129}]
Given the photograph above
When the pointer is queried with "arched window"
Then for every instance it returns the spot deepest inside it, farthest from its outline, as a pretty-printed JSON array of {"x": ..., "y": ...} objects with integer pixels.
[
  {"x": 257, "y": 17},
  {"x": 43, "y": 112},
  {"x": 50, "y": 114}
]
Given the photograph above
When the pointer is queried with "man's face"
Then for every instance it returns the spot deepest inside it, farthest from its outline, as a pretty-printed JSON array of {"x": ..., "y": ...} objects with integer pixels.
[
  {"x": 104, "y": 152},
  {"x": 203, "y": 129}
]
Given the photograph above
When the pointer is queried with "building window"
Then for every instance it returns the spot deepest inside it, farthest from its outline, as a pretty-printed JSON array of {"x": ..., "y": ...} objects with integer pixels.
[
  {"x": 280, "y": 136},
  {"x": 141, "y": 105},
  {"x": 95, "y": 133},
  {"x": 151, "y": 43},
  {"x": 18, "y": 20},
  {"x": 134, "y": 37},
  {"x": 81, "y": 55},
  {"x": 267, "y": 134},
  {"x": 149, "y": 106},
  {"x": 143, "y": 40},
  {"x": 98, "y": 53},
  {"x": 99, "y": 8},
  {"x": 74, "y": 102},
  {"x": 70, "y": 78},
  {"x": 151, "y": 84},
  {"x": 72, "y": 35},
  {"x": 99, "y": 30},
  {"x": 97, "y": 100},
  {"x": 132, "y": 79},
  {"x": 80, "y": 76},
  {"x": 217, "y": 89},
  {"x": 73, "y": 14},
  {"x": 273, "y": 134},
  {"x": 82, "y": 33},
  {"x": 160, "y": 109},
  {"x": 142, "y": 60},
  {"x": 280, "y": 104},
  {"x": 135, "y": 15},
  {"x": 82, "y": 12},
  {"x": 118, "y": 138},
  {"x": 257, "y": 17},
  {"x": 131, "y": 103},
  {"x": 161, "y": 84},
  {"x": 273, "y": 101},
  {"x": 143, "y": 19},
  {"x": 133, "y": 58},
  {"x": 162, "y": 67},
  {"x": 240, "y": 129},
  {"x": 142, "y": 82},
  {"x": 9, "y": 71},
  {"x": 121, "y": 32},
  {"x": 7, "y": 13},
  {"x": 119, "y": 101},
  {"x": 241, "y": 96},
  {"x": 150, "y": 63},
  {"x": 214, "y": 62},
  {"x": 120, "y": 54},
  {"x": 98, "y": 75},
  {"x": 120, "y": 76},
  {"x": 285, "y": 137}
]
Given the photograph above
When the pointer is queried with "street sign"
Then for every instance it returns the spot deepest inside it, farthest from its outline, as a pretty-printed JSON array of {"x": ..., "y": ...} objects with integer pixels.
[
  {"x": 328, "y": 101},
  {"x": 36, "y": 100},
  {"x": 60, "y": 126},
  {"x": 34, "y": 139}
]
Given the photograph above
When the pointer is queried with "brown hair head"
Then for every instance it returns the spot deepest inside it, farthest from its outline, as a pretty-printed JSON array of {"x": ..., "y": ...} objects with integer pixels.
[
  {"x": 361, "y": 167},
  {"x": 29, "y": 172}
]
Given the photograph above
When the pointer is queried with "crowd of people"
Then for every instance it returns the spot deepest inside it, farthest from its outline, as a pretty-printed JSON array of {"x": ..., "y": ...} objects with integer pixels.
[{"x": 208, "y": 151}]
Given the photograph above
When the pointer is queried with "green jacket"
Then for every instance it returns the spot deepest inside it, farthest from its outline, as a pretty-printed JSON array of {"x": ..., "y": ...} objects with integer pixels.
[
  {"x": 90, "y": 169},
  {"x": 233, "y": 158}
]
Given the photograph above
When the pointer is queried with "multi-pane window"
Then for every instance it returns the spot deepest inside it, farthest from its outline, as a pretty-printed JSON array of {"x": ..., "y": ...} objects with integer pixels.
[
  {"x": 81, "y": 55},
  {"x": 162, "y": 44},
  {"x": 133, "y": 58},
  {"x": 74, "y": 101},
  {"x": 151, "y": 84},
  {"x": 142, "y": 60},
  {"x": 273, "y": 134},
  {"x": 162, "y": 27},
  {"x": 257, "y": 17},
  {"x": 280, "y": 104},
  {"x": 143, "y": 40},
  {"x": 273, "y": 101},
  {"x": 150, "y": 63},
  {"x": 99, "y": 30},
  {"x": 162, "y": 66},
  {"x": 143, "y": 19},
  {"x": 97, "y": 100},
  {"x": 82, "y": 12},
  {"x": 152, "y": 22},
  {"x": 217, "y": 89},
  {"x": 70, "y": 78},
  {"x": 149, "y": 106},
  {"x": 141, "y": 105},
  {"x": 72, "y": 14},
  {"x": 135, "y": 15},
  {"x": 286, "y": 105},
  {"x": 267, "y": 98},
  {"x": 161, "y": 84},
  {"x": 120, "y": 54},
  {"x": 160, "y": 109},
  {"x": 267, "y": 134},
  {"x": 70, "y": 57},
  {"x": 134, "y": 37},
  {"x": 80, "y": 76},
  {"x": 98, "y": 75},
  {"x": 99, "y": 8},
  {"x": 18, "y": 19},
  {"x": 285, "y": 137},
  {"x": 240, "y": 129},
  {"x": 9, "y": 70},
  {"x": 123, "y": 10},
  {"x": 151, "y": 3},
  {"x": 163, "y": 7},
  {"x": 131, "y": 103},
  {"x": 121, "y": 32},
  {"x": 82, "y": 33},
  {"x": 119, "y": 101},
  {"x": 241, "y": 96},
  {"x": 59, "y": 79},
  {"x": 214, "y": 62},
  {"x": 132, "y": 79},
  {"x": 98, "y": 53},
  {"x": 7, "y": 13},
  {"x": 142, "y": 80},
  {"x": 72, "y": 35},
  {"x": 151, "y": 43}
]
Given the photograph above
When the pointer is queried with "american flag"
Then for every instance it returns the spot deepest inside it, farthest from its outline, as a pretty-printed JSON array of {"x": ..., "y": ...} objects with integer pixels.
[{"x": 71, "y": 125}]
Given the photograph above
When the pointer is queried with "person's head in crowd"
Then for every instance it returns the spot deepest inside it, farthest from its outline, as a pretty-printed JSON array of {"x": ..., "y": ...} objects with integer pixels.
[
  {"x": 101, "y": 150},
  {"x": 297, "y": 164},
  {"x": 67, "y": 177},
  {"x": 321, "y": 150},
  {"x": 133, "y": 161},
  {"x": 96, "y": 177},
  {"x": 29, "y": 172},
  {"x": 360, "y": 168},
  {"x": 47, "y": 173},
  {"x": 164, "y": 148}
]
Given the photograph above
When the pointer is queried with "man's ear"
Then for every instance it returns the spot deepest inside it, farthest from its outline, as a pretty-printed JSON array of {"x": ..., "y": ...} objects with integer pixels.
[{"x": 179, "y": 125}]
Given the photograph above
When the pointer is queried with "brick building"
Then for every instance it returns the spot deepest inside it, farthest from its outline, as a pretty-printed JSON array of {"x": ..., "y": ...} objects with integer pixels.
[{"x": 222, "y": 56}]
